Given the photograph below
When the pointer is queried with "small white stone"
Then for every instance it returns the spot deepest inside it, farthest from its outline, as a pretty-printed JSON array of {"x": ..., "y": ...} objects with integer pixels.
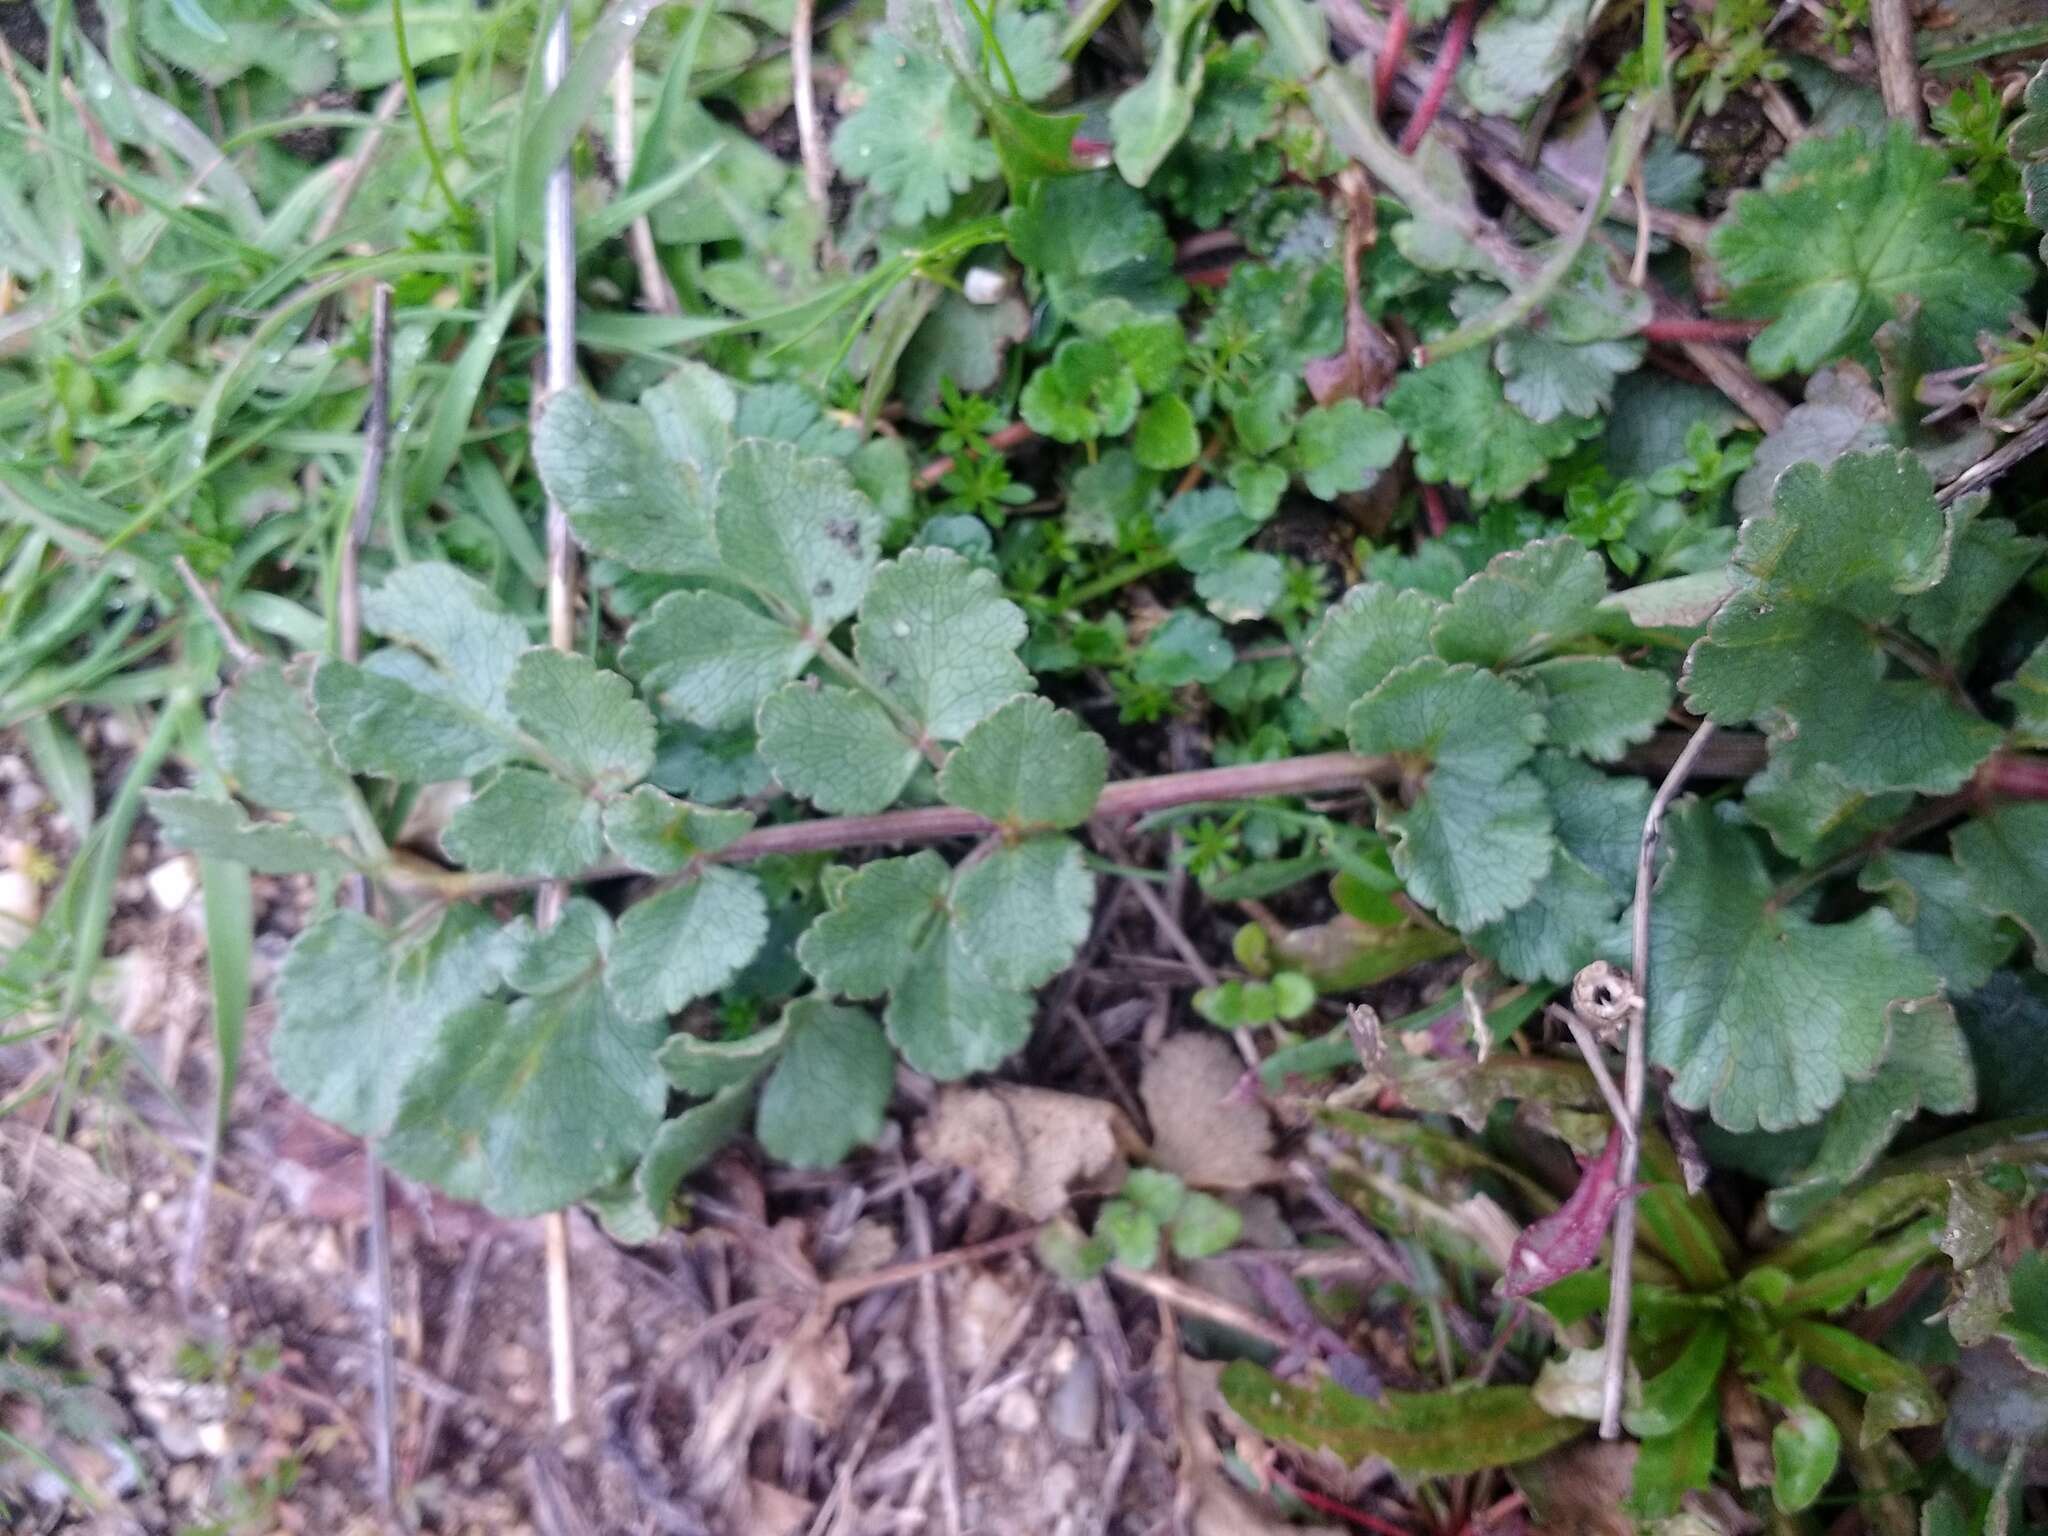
[
  {"x": 20, "y": 901},
  {"x": 213, "y": 1439},
  {"x": 984, "y": 285},
  {"x": 172, "y": 882}
]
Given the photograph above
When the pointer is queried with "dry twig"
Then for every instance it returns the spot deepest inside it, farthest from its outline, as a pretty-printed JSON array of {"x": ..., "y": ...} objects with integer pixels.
[
  {"x": 931, "y": 1344},
  {"x": 1898, "y": 74},
  {"x": 656, "y": 292}
]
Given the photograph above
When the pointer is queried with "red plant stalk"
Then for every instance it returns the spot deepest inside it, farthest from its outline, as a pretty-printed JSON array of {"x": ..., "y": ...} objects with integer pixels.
[
  {"x": 1682, "y": 328},
  {"x": 1434, "y": 513},
  {"x": 1388, "y": 65},
  {"x": 1456, "y": 36}
]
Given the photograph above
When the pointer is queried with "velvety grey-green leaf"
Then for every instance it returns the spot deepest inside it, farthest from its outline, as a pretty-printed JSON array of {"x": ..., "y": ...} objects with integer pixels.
[
  {"x": 221, "y": 829},
  {"x": 1599, "y": 706},
  {"x": 863, "y": 945},
  {"x": 710, "y": 659},
  {"x": 692, "y": 413},
  {"x": 948, "y": 1018},
  {"x": 1762, "y": 1016},
  {"x": 274, "y": 752},
  {"x": 836, "y": 748},
  {"x": 1472, "y": 848},
  {"x": 1027, "y": 765},
  {"x": 660, "y": 835},
  {"x": 624, "y": 497},
  {"x": 1023, "y": 911},
  {"x": 937, "y": 635},
  {"x": 2004, "y": 856},
  {"x": 525, "y": 822},
  {"x": 1933, "y": 897},
  {"x": 1368, "y": 633},
  {"x": 453, "y": 621},
  {"x": 1456, "y": 718},
  {"x": 358, "y": 1004},
  {"x": 829, "y": 1090},
  {"x": 797, "y": 531},
  {"x": 1526, "y": 602},
  {"x": 685, "y": 943},
  {"x": 702, "y": 1067},
  {"x": 1926, "y": 1070},
  {"x": 395, "y": 718},
  {"x": 589, "y": 721}
]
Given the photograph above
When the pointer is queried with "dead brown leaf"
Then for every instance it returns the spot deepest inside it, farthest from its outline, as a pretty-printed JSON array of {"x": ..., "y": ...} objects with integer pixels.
[
  {"x": 1580, "y": 1490},
  {"x": 1029, "y": 1148},
  {"x": 1203, "y": 1129}
]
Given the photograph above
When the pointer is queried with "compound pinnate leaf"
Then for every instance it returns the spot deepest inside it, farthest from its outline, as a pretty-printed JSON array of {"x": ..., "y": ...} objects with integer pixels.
[
  {"x": 797, "y": 531},
  {"x": 938, "y": 636},
  {"x": 830, "y": 1088},
  {"x": 605, "y": 467},
  {"x": 1762, "y": 1016},
  {"x": 525, "y": 822},
  {"x": 391, "y": 717},
  {"x": 1465, "y": 433},
  {"x": 1526, "y": 602},
  {"x": 1370, "y": 632},
  {"x": 660, "y": 835},
  {"x": 1023, "y": 911},
  {"x": 275, "y": 753},
  {"x": 703, "y": 1067},
  {"x": 1027, "y": 765},
  {"x": 1599, "y": 706},
  {"x": 221, "y": 829},
  {"x": 947, "y": 1016},
  {"x": 358, "y": 1004},
  {"x": 685, "y": 942},
  {"x": 836, "y": 748},
  {"x": 1843, "y": 228},
  {"x": 1453, "y": 717},
  {"x": 711, "y": 659},
  {"x": 862, "y": 946},
  {"x": 1926, "y": 1070},
  {"x": 1933, "y": 896},
  {"x": 528, "y": 1107},
  {"x": 915, "y": 138},
  {"x": 2004, "y": 856},
  {"x": 587, "y": 720}
]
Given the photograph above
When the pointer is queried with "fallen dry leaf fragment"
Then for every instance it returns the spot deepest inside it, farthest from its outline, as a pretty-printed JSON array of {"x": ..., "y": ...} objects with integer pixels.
[
  {"x": 1202, "y": 1128},
  {"x": 1029, "y": 1148},
  {"x": 1569, "y": 1238}
]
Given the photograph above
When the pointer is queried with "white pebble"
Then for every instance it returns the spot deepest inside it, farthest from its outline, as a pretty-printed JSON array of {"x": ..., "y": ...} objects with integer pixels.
[{"x": 172, "y": 882}]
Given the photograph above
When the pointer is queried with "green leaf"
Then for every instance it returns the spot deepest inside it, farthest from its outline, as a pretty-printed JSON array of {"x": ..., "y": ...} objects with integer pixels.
[
  {"x": 829, "y": 1090},
  {"x": 391, "y": 718},
  {"x": 1548, "y": 378},
  {"x": 1203, "y": 1227},
  {"x": 1932, "y": 896},
  {"x": 1371, "y": 631},
  {"x": 703, "y": 1067},
  {"x": 938, "y": 636},
  {"x": 1023, "y": 911},
  {"x": 1598, "y": 706},
  {"x": 358, "y": 1005},
  {"x": 1244, "y": 586},
  {"x": 1086, "y": 392},
  {"x": 221, "y": 829},
  {"x": 1465, "y": 433},
  {"x": 1842, "y": 229},
  {"x": 660, "y": 835},
  {"x": 948, "y": 1018},
  {"x": 1987, "y": 561},
  {"x": 710, "y": 659},
  {"x": 274, "y": 752},
  {"x": 1132, "y": 1233},
  {"x": 1027, "y": 765},
  {"x": 1805, "y": 1450},
  {"x": 1165, "y": 436},
  {"x": 606, "y": 467},
  {"x": 687, "y": 942},
  {"x": 1670, "y": 1466},
  {"x": 2004, "y": 857},
  {"x": 2028, "y": 695},
  {"x": 1071, "y": 1256},
  {"x": 588, "y": 721},
  {"x": 1203, "y": 526},
  {"x": 1526, "y": 602},
  {"x": 1187, "y": 648},
  {"x": 862, "y": 946},
  {"x": 528, "y": 1107},
  {"x": 1762, "y": 1016},
  {"x": 1520, "y": 51},
  {"x": 692, "y": 412},
  {"x": 525, "y": 822},
  {"x": 1896, "y": 1394},
  {"x": 797, "y": 531},
  {"x": 1682, "y": 1388},
  {"x": 685, "y": 1144},
  {"x": 1150, "y": 118},
  {"x": 1343, "y": 446},
  {"x": 915, "y": 137},
  {"x": 1926, "y": 1070},
  {"x": 1092, "y": 237},
  {"x": 1421, "y": 1434},
  {"x": 1811, "y": 814},
  {"x": 836, "y": 748},
  {"x": 1450, "y": 717}
]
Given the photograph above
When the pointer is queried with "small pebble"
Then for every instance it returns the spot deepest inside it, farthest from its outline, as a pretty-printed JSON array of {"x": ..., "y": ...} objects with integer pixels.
[
  {"x": 1074, "y": 1411},
  {"x": 20, "y": 901},
  {"x": 172, "y": 882}
]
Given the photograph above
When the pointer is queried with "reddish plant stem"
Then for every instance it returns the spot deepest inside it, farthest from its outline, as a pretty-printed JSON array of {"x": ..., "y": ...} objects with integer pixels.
[
  {"x": 1002, "y": 440},
  {"x": 2014, "y": 776},
  {"x": 1434, "y": 512},
  {"x": 1329, "y": 1506},
  {"x": 1456, "y": 36},
  {"x": 1679, "y": 328},
  {"x": 1388, "y": 65}
]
